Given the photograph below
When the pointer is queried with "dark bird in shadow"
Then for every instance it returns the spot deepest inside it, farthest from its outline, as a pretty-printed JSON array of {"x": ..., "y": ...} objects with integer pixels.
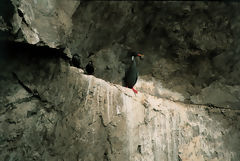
[
  {"x": 90, "y": 68},
  {"x": 76, "y": 62},
  {"x": 131, "y": 74}
]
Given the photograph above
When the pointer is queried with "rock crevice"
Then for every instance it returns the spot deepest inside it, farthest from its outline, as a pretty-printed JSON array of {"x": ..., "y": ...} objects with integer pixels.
[{"x": 188, "y": 105}]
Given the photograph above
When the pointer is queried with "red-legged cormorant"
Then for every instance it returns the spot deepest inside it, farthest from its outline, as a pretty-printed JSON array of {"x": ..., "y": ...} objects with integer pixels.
[
  {"x": 76, "y": 61},
  {"x": 90, "y": 68},
  {"x": 131, "y": 75}
]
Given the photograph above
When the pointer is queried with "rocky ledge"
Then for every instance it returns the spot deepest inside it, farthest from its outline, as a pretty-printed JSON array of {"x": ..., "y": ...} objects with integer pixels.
[{"x": 52, "y": 111}]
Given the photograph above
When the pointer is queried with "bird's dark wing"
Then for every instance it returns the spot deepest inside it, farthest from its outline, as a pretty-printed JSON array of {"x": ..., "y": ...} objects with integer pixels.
[{"x": 136, "y": 78}]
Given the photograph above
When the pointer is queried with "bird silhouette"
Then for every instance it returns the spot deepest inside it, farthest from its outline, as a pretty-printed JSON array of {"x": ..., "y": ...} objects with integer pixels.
[
  {"x": 76, "y": 61},
  {"x": 131, "y": 75},
  {"x": 90, "y": 68}
]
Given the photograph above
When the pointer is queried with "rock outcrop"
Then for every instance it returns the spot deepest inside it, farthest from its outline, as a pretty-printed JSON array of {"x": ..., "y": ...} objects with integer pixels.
[
  {"x": 52, "y": 111},
  {"x": 188, "y": 105},
  {"x": 190, "y": 47}
]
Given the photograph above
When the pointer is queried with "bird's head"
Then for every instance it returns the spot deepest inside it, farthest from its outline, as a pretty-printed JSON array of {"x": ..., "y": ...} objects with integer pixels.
[
  {"x": 135, "y": 54},
  {"x": 140, "y": 55}
]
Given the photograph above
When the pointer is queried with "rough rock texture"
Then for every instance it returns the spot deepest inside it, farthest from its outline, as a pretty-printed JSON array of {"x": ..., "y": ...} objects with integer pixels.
[
  {"x": 43, "y": 22},
  {"x": 190, "y": 47},
  {"x": 51, "y": 111},
  {"x": 188, "y": 105}
]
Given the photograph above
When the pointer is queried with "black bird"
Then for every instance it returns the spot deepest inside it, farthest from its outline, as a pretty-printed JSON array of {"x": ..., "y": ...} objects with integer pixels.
[
  {"x": 90, "y": 68},
  {"x": 131, "y": 75},
  {"x": 76, "y": 61}
]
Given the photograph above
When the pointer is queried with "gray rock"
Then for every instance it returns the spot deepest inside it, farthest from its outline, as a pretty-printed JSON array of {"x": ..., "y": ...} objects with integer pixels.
[
  {"x": 182, "y": 52},
  {"x": 51, "y": 111}
]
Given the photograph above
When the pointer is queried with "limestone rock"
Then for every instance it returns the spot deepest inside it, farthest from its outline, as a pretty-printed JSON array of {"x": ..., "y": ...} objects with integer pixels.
[
  {"x": 220, "y": 95},
  {"x": 184, "y": 54},
  {"x": 51, "y": 111},
  {"x": 48, "y": 21},
  {"x": 188, "y": 104}
]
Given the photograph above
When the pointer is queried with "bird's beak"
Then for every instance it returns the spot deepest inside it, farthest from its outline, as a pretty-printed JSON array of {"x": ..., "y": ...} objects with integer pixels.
[{"x": 141, "y": 56}]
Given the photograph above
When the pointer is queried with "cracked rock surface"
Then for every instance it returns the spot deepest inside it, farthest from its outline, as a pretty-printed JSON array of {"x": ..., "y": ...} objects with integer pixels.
[
  {"x": 188, "y": 105},
  {"x": 52, "y": 111},
  {"x": 190, "y": 47}
]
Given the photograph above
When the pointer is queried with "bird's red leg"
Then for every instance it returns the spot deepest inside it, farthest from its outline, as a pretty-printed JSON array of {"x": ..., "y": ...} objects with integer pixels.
[{"x": 134, "y": 90}]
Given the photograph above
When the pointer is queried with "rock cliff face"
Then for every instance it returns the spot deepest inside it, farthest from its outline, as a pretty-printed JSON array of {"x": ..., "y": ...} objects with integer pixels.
[
  {"x": 195, "y": 43},
  {"x": 51, "y": 111},
  {"x": 188, "y": 105}
]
